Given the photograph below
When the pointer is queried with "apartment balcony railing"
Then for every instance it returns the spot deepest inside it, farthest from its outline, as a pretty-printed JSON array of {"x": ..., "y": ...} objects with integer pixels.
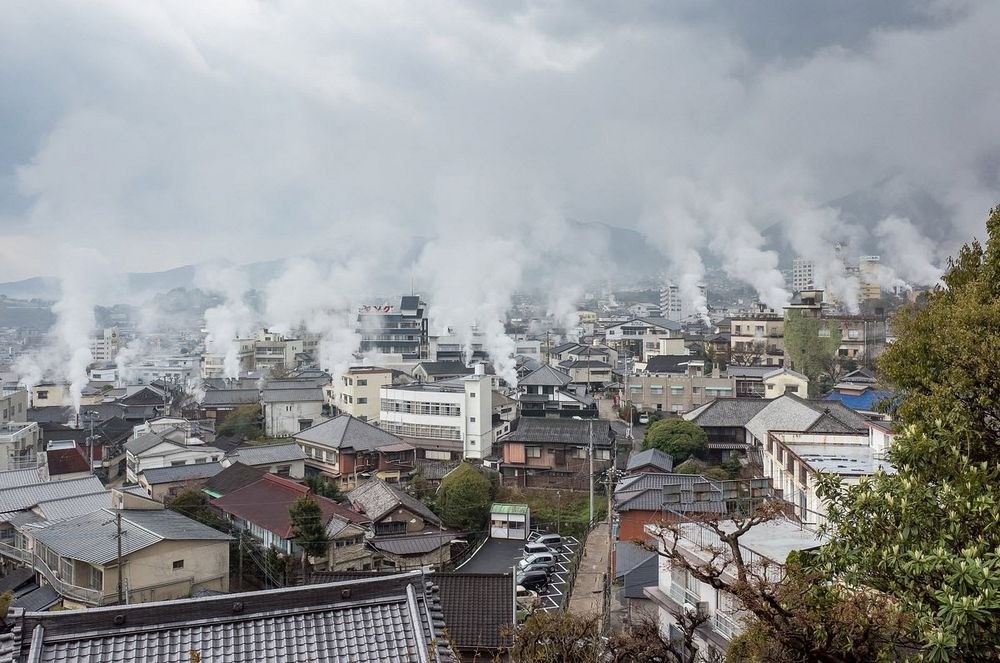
[
  {"x": 725, "y": 625},
  {"x": 683, "y": 595},
  {"x": 81, "y": 594}
]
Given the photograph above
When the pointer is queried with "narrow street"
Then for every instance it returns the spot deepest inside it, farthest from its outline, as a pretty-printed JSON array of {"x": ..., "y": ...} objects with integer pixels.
[{"x": 588, "y": 589}]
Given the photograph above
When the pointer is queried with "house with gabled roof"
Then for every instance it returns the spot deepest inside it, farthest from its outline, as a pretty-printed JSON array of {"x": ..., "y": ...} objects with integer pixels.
[
  {"x": 345, "y": 447},
  {"x": 284, "y": 459},
  {"x": 261, "y": 510},
  {"x": 548, "y": 391},
  {"x": 170, "y": 446},
  {"x": 557, "y": 447}
]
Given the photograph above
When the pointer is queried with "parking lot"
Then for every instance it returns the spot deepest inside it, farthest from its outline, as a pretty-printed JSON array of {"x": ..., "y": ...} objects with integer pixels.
[{"x": 500, "y": 556}]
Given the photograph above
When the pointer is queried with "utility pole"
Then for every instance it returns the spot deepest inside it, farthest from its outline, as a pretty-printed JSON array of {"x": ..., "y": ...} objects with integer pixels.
[
  {"x": 118, "y": 519},
  {"x": 591, "y": 470},
  {"x": 240, "y": 577}
]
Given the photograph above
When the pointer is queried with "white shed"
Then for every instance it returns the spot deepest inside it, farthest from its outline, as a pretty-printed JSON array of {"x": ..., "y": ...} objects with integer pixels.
[{"x": 510, "y": 521}]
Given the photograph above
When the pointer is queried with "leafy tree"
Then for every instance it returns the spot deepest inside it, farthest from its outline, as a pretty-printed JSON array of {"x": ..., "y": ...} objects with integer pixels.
[
  {"x": 928, "y": 535},
  {"x": 557, "y": 637},
  {"x": 322, "y": 486},
  {"x": 5, "y": 600},
  {"x": 732, "y": 467},
  {"x": 308, "y": 529},
  {"x": 680, "y": 438},
  {"x": 465, "y": 498},
  {"x": 194, "y": 504},
  {"x": 243, "y": 422},
  {"x": 812, "y": 355}
]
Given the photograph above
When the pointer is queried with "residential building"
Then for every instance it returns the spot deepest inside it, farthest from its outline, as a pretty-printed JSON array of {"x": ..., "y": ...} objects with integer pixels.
[
  {"x": 767, "y": 381},
  {"x": 217, "y": 404},
  {"x": 458, "y": 410},
  {"x": 395, "y": 330},
  {"x": 407, "y": 533},
  {"x": 67, "y": 461},
  {"x": 640, "y": 337},
  {"x": 649, "y": 460},
  {"x": 557, "y": 447},
  {"x": 675, "y": 384},
  {"x": 164, "y": 483},
  {"x": 436, "y": 371},
  {"x": 869, "y": 268},
  {"x": 105, "y": 344},
  {"x": 213, "y": 365},
  {"x": 593, "y": 374},
  {"x": 175, "y": 369},
  {"x": 452, "y": 347},
  {"x": 859, "y": 390},
  {"x": 170, "y": 447},
  {"x": 381, "y": 618},
  {"x": 635, "y": 569},
  {"x": 285, "y": 460},
  {"x": 653, "y": 497},
  {"x": 290, "y": 406},
  {"x": 358, "y": 392},
  {"x": 677, "y": 591},
  {"x": 862, "y": 337},
  {"x": 673, "y": 306},
  {"x": 803, "y": 274},
  {"x": 344, "y": 447},
  {"x": 792, "y": 461},
  {"x": 20, "y": 444},
  {"x": 758, "y": 339},
  {"x": 547, "y": 392},
  {"x": 164, "y": 555},
  {"x": 14, "y": 406},
  {"x": 231, "y": 478},
  {"x": 724, "y": 420},
  {"x": 261, "y": 510}
]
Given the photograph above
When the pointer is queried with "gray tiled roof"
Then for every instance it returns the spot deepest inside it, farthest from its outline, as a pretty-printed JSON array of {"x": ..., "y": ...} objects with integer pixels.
[
  {"x": 77, "y": 505},
  {"x": 345, "y": 431},
  {"x": 147, "y": 441},
  {"x": 545, "y": 376},
  {"x": 24, "y": 497},
  {"x": 653, "y": 457},
  {"x": 39, "y": 598},
  {"x": 377, "y": 498},
  {"x": 293, "y": 395},
  {"x": 14, "y": 478},
  {"x": 230, "y": 397},
  {"x": 727, "y": 412},
  {"x": 267, "y": 454},
  {"x": 194, "y": 471},
  {"x": 562, "y": 431},
  {"x": 412, "y": 544},
  {"x": 390, "y": 619},
  {"x": 92, "y": 537},
  {"x": 445, "y": 368},
  {"x": 788, "y": 413}
]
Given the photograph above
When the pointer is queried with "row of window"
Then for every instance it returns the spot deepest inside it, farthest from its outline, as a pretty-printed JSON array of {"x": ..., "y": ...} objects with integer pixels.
[
  {"x": 423, "y": 430},
  {"x": 414, "y": 407},
  {"x": 360, "y": 400}
]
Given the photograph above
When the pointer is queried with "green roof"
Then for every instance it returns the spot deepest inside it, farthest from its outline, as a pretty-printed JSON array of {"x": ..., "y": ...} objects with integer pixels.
[{"x": 509, "y": 508}]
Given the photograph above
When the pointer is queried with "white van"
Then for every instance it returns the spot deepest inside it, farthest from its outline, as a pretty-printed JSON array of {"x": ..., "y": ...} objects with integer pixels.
[{"x": 538, "y": 558}]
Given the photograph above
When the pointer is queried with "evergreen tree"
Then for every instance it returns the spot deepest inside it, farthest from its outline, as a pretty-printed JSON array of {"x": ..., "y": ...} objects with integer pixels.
[
  {"x": 309, "y": 529},
  {"x": 465, "y": 498}
]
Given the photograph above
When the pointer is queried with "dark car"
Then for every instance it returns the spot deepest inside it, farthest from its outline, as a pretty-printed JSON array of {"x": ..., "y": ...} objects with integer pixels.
[
  {"x": 549, "y": 569},
  {"x": 551, "y": 541},
  {"x": 535, "y": 580}
]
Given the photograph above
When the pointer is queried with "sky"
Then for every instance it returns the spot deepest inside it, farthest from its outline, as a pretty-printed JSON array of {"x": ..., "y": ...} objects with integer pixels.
[{"x": 457, "y": 140}]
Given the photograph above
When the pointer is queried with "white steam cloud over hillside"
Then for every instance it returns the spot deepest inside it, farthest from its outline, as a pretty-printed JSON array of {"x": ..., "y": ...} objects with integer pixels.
[{"x": 444, "y": 144}]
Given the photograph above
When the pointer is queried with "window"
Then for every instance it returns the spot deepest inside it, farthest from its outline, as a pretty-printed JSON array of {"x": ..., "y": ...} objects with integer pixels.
[
  {"x": 533, "y": 452},
  {"x": 42, "y": 395},
  {"x": 472, "y": 394},
  {"x": 200, "y": 461},
  {"x": 362, "y": 401},
  {"x": 175, "y": 463},
  {"x": 472, "y": 420},
  {"x": 656, "y": 389},
  {"x": 179, "y": 564},
  {"x": 854, "y": 333},
  {"x": 284, "y": 470},
  {"x": 695, "y": 390},
  {"x": 390, "y": 528},
  {"x": 362, "y": 382},
  {"x": 676, "y": 390},
  {"x": 602, "y": 454}
]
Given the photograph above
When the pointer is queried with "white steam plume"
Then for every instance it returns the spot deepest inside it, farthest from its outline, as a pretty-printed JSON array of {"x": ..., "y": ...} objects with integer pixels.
[
  {"x": 226, "y": 322},
  {"x": 910, "y": 254},
  {"x": 812, "y": 232}
]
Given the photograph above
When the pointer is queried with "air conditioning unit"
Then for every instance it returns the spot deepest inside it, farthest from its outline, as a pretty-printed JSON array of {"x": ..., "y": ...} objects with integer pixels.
[{"x": 701, "y": 608}]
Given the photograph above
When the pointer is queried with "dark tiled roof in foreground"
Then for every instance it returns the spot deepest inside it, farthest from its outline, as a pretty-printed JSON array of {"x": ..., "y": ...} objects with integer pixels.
[
  {"x": 391, "y": 619},
  {"x": 477, "y": 607}
]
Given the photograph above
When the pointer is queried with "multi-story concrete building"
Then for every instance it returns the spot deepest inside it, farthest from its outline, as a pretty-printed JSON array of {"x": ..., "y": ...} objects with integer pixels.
[
  {"x": 672, "y": 304},
  {"x": 291, "y": 405},
  {"x": 105, "y": 344},
  {"x": 460, "y": 410},
  {"x": 803, "y": 274},
  {"x": 357, "y": 392},
  {"x": 758, "y": 339},
  {"x": 20, "y": 444},
  {"x": 640, "y": 337},
  {"x": 14, "y": 406},
  {"x": 395, "y": 330},
  {"x": 868, "y": 270}
]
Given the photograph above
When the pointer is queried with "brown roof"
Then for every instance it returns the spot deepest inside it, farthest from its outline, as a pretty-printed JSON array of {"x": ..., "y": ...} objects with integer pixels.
[
  {"x": 67, "y": 461},
  {"x": 233, "y": 478},
  {"x": 266, "y": 502}
]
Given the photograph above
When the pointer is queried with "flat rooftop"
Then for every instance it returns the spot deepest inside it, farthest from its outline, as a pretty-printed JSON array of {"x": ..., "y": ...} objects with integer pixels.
[{"x": 847, "y": 459}]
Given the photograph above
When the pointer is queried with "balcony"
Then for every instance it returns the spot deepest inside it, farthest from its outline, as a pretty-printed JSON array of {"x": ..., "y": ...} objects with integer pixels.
[
  {"x": 682, "y": 595},
  {"x": 81, "y": 594},
  {"x": 725, "y": 625}
]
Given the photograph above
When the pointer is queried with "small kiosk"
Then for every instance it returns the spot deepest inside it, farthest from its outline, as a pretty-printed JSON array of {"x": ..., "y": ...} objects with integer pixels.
[{"x": 510, "y": 521}]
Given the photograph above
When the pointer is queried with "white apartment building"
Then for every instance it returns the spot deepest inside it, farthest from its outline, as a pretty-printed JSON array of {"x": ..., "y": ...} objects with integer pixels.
[
  {"x": 678, "y": 591},
  {"x": 640, "y": 337},
  {"x": 358, "y": 391},
  {"x": 672, "y": 305},
  {"x": 803, "y": 274},
  {"x": 868, "y": 270},
  {"x": 459, "y": 410},
  {"x": 20, "y": 443},
  {"x": 105, "y": 344}
]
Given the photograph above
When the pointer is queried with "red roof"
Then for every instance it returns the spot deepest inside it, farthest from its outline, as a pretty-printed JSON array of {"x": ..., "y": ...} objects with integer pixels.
[
  {"x": 266, "y": 502},
  {"x": 66, "y": 461}
]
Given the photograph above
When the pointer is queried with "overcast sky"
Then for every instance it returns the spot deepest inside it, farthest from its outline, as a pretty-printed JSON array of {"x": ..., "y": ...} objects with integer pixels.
[{"x": 167, "y": 133}]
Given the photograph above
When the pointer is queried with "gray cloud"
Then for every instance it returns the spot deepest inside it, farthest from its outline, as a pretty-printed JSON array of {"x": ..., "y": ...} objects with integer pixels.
[{"x": 167, "y": 133}]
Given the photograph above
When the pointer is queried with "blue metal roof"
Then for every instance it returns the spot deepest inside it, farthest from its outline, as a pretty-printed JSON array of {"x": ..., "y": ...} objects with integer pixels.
[{"x": 862, "y": 402}]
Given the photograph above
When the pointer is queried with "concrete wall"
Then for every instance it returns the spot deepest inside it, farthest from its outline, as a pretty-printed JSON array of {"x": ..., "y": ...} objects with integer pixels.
[{"x": 151, "y": 576}]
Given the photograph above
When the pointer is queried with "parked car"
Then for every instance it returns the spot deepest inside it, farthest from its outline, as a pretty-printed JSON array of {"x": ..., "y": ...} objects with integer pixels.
[
  {"x": 644, "y": 418},
  {"x": 553, "y": 541},
  {"x": 527, "y": 598},
  {"x": 535, "y": 580},
  {"x": 535, "y": 547},
  {"x": 541, "y": 566},
  {"x": 545, "y": 558}
]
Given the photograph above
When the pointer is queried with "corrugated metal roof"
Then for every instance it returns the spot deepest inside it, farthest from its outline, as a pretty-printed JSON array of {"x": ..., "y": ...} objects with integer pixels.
[
  {"x": 24, "y": 497},
  {"x": 15, "y": 478},
  {"x": 268, "y": 454},
  {"x": 158, "y": 475},
  {"x": 71, "y": 507},
  {"x": 562, "y": 431},
  {"x": 92, "y": 537}
]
